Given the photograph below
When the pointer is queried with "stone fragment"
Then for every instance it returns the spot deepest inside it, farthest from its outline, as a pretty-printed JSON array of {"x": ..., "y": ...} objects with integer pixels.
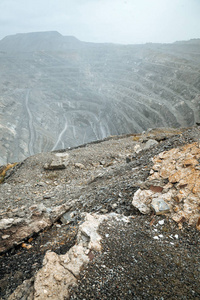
[
  {"x": 161, "y": 222},
  {"x": 159, "y": 206},
  {"x": 137, "y": 148},
  {"x": 22, "y": 229},
  {"x": 104, "y": 210},
  {"x": 57, "y": 163},
  {"x": 4, "y": 237},
  {"x": 128, "y": 159},
  {"x": 150, "y": 143},
  {"x": 198, "y": 224},
  {"x": 89, "y": 230},
  {"x": 156, "y": 167},
  {"x": 156, "y": 189},
  {"x": 74, "y": 259},
  {"x": 26, "y": 246},
  {"x": 142, "y": 199},
  {"x": 6, "y": 223},
  {"x": 53, "y": 279},
  {"x": 79, "y": 165},
  {"x": 190, "y": 162},
  {"x": 68, "y": 217},
  {"x": 176, "y": 177}
]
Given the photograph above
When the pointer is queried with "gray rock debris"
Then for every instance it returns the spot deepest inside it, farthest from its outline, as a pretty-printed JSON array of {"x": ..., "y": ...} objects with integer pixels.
[
  {"x": 139, "y": 146},
  {"x": 160, "y": 206},
  {"x": 69, "y": 217},
  {"x": 60, "y": 161},
  {"x": 150, "y": 143}
]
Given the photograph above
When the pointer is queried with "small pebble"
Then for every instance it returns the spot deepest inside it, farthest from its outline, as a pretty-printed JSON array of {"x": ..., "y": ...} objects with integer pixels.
[
  {"x": 4, "y": 237},
  {"x": 161, "y": 222}
]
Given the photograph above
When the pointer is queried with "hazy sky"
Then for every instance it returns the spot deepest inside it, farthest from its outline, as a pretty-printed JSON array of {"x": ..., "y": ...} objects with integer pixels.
[{"x": 118, "y": 21}]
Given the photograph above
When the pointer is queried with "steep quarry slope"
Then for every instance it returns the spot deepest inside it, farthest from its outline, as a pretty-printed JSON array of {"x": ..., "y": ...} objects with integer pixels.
[
  {"x": 114, "y": 219},
  {"x": 58, "y": 92}
]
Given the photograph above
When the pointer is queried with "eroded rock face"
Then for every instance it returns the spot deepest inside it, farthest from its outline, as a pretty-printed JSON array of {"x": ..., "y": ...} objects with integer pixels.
[{"x": 176, "y": 174}]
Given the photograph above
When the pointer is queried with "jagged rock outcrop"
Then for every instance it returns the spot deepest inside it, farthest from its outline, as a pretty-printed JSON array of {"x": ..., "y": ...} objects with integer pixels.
[
  {"x": 175, "y": 178},
  {"x": 58, "y": 92}
]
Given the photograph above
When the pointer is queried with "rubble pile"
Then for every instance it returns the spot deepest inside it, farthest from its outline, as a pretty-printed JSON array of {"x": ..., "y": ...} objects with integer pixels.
[{"x": 173, "y": 186}]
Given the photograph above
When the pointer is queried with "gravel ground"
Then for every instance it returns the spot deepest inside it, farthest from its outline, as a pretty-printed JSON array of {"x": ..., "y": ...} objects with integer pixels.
[
  {"x": 136, "y": 265},
  {"x": 133, "y": 264}
]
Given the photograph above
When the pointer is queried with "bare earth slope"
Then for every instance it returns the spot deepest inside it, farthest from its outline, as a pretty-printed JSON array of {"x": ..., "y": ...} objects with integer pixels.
[
  {"x": 58, "y": 92},
  {"x": 82, "y": 223}
]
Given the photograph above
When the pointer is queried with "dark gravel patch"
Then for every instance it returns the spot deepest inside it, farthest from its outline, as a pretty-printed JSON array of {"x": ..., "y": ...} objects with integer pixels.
[
  {"x": 19, "y": 264},
  {"x": 133, "y": 265}
]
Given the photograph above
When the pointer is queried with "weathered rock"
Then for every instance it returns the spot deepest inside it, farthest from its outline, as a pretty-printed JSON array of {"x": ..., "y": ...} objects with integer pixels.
[
  {"x": 79, "y": 165},
  {"x": 17, "y": 229},
  {"x": 6, "y": 223},
  {"x": 59, "y": 162},
  {"x": 142, "y": 199},
  {"x": 150, "y": 143},
  {"x": 53, "y": 280},
  {"x": 137, "y": 148},
  {"x": 160, "y": 206},
  {"x": 69, "y": 217},
  {"x": 181, "y": 195}
]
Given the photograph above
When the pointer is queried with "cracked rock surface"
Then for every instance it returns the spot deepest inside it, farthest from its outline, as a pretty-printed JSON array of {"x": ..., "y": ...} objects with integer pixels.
[{"x": 93, "y": 221}]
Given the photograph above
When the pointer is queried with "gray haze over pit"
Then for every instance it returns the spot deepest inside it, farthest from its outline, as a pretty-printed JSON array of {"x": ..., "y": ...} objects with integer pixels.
[
  {"x": 58, "y": 92},
  {"x": 117, "y": 21}
]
